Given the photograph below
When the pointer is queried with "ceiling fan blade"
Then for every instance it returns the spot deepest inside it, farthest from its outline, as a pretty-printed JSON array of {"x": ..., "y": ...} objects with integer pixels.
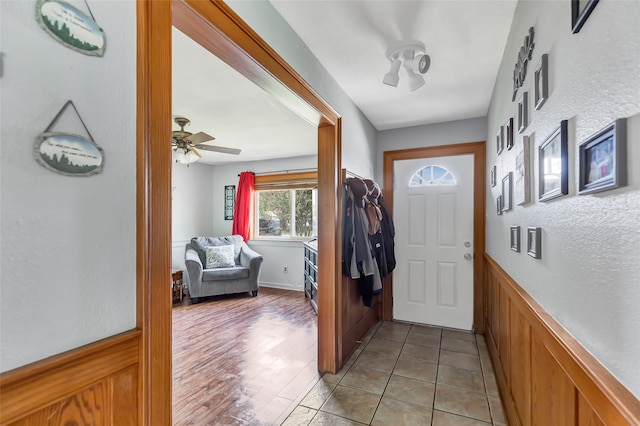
[
  {"x": 222, "y": 149},
  {"x": 199, "y": 138},
  {"x": 195, "y": 151}
]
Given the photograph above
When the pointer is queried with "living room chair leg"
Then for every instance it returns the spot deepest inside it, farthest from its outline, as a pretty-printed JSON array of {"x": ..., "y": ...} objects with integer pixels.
[{"x": 254, "y": 293}]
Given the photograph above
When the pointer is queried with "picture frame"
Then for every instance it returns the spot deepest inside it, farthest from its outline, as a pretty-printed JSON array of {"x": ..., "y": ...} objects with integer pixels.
[
  {"x": 229, "y": 201},
  {"x": 603, "y": 160},
  {"x": 534, "y": 242},
  {"x": 523, "y": 112},
  {"x": 580, "y": 11},
  {"x": 508, "y": 130},
  {"x": 541, "y": 82},
  {"x": 522, "y": 180},
  {"x": 507, "y": 192},
  {"x": 500, "y": 140},
  {"x": 515, "y": 238},
  {"x": 553, "y": 164},
  {"x": 499, "y": 205},
  {"x": 493, "y": 176}
]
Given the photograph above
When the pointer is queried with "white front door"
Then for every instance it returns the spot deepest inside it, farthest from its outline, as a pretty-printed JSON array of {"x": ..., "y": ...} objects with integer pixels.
[{"x": 433, "y": 217}]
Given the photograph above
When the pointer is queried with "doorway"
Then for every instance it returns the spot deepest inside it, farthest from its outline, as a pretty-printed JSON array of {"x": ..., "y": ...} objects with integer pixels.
[
  {"x": 477, "y": 151},
  {"x": 217, "y": 28}
]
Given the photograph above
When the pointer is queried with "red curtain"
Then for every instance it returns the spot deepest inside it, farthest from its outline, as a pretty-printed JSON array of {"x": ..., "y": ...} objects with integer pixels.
[{"x": 243, "y": 207}]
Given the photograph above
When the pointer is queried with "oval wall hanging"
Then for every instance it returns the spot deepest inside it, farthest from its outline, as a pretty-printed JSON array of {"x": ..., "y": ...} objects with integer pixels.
[{"x": 71, "y": 27}]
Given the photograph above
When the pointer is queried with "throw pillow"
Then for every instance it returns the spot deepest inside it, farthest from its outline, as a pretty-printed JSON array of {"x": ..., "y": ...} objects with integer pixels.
[{"x": 220, "y": 257}]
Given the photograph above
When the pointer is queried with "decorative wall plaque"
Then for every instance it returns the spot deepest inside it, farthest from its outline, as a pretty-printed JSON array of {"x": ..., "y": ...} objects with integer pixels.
[
  {"x": 524, "y": 56},
  {"x": 229, "y": 201}
]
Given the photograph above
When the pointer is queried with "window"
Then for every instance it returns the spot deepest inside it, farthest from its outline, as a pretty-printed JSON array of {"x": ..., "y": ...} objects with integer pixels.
[
  {"x": 286, "y": 206},
  {"x": 432, "y": 175}
]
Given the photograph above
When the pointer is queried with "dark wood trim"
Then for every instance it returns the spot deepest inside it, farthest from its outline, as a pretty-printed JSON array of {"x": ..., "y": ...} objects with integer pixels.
[
  {"x": 153, "y": 228},
  {"x": 533, "y": 354},
  {"x": 29, "y": 389},
  {"x": 478, "y": 149}
]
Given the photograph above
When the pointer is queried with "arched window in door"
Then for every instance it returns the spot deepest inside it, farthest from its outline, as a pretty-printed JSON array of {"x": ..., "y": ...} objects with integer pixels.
[{"x": 431, "y": 176}]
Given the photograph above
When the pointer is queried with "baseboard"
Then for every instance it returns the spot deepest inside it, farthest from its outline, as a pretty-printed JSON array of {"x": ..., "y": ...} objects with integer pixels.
[
  {"x": 544, "y": 374},
  {"x": 282, "y": 286}
]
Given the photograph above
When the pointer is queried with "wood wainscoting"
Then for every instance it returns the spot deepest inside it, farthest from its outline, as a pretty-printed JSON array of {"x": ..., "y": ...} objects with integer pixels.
[
  {"x": 95, "y": 384},
  {"x": 356, "y": 319},
  {"x": 545, "y": 376}
]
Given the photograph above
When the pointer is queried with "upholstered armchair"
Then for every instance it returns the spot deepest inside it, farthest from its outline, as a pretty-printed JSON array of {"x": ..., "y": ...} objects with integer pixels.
[{"x": 221, "y": 265}]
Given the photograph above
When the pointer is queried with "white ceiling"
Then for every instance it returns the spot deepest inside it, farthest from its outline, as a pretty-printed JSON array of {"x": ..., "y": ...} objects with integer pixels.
[{"x": 464, "y": 38}]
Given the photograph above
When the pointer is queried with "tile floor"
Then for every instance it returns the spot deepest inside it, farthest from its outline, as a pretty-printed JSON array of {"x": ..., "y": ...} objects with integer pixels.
[{"x": 405, "y": 374}]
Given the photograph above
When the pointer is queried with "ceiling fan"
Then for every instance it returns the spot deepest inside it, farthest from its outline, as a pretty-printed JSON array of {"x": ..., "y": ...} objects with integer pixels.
[{"x": 184, "y": 144}]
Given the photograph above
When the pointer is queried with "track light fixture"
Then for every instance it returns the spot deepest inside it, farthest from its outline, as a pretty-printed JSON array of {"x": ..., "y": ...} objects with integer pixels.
[{"x": 415, "y": 61}]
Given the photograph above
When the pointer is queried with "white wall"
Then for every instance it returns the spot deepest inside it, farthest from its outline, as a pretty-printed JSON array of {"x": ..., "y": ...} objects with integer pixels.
[
  {"x": 68, "y": 243},
  {"x": 452, "y": 132},
  {"x": 277, "y": 254},
  {"x": 589, "y": 274},
  {"x": 192, "y": 206},
  {"x": 358, "y": 135}
]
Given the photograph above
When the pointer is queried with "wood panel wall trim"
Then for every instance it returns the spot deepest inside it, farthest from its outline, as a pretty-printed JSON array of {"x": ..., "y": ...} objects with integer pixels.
[
  {"x": 153, "y": 210},
  {"x": 30, "y": 388},
  {"x": 478, "y": 150},
  {"x": 606, "y": 396}
]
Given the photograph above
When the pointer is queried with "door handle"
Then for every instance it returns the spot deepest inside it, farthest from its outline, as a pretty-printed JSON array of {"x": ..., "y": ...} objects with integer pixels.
[{"x": 467, "y": 256}]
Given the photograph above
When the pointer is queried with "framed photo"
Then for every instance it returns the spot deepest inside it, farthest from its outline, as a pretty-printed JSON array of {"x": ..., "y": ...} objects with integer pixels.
[
  {"x": 553, "y": 162},
  {"x": 506, "y": 192},
  {"x": 493, "y": 176},
  {"x": 522, "y": 184},
  {"x": 229, "y": 201},
  {"x": 515, "y": 238},
  {"x": 508, "y": 130},
  {"x": 523, "y": 112},
  {"x": 534, "y": 242},
  {"x": 499, "y": 205},
  {"x": 603, "y": 159},
  {"x": 580, "y": 11},
  {"x": 541, "y": 74},
  {"x": 500, "y": 140}
]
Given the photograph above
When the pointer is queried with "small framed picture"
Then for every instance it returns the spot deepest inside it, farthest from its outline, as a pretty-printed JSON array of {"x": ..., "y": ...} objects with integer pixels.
[
  {"x": 603, "y": 159},
  {"x": 553, "y": 162},
  {"x": 499, "y": 205},
  {"x": 500, "y": 140},
  {"x": 506, "y": 192},
  {"x": 493, "y": 176},
  {"x": 580, "y": 11},
  {"x": 541, "y": 91},
  {"x": 534, "y": 242},
  {"x": 508, "y": 130},
  {"x": 515, "y": 238},
  {"x": 523, "y": 112},
  {"x": 522, "y": 180}
]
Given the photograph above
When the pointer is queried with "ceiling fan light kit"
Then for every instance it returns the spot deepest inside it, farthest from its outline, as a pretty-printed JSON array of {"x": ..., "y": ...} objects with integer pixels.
[{"x": 415, "y": 61}]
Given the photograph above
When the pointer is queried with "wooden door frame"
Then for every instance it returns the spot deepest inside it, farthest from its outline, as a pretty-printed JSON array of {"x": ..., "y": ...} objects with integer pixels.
[
  {"x": 478, "y": 150},
  {"x": 214, "y": 25}
]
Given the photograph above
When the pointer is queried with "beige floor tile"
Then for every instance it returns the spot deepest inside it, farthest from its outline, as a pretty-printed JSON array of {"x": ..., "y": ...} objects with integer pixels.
[
  {"x": 459, "y": 334},
  {"x": 482, "y": 345},
  {"x": 497, "y": 413},
  {"x": 441, "y": 418},
  {"x": 369, "y": 380},
  {"x": 424, "y": 353},
  {"x": 300, "y": 416},
  {"x": 462, "y": 402},
  {"x": 327, "y": 419},
  {"x": 376, "y": 361},
  {"x": 460, "y": 360},
  {"x": 487, "y": 366},
  {"x": 353, "y": 357},
  {"x": 398, "y": 413},
  {"x": 460, "y": 378},
  {"x": 353, "y": 404},
  {"x": 410, "y": 390},
  {"x": 457, "y": 345},
  {"x": 423, "y": 339},
  {"x": 426, "y": 329},
  {"x": 386, "y": 347},
  {"x": 416, "y": 369},
  {"x": 318, "y": 395},
  {"x": 391, "y": 334},
  {"x": 392, "y": 325},
  {"x": 491, "y": 385}
]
